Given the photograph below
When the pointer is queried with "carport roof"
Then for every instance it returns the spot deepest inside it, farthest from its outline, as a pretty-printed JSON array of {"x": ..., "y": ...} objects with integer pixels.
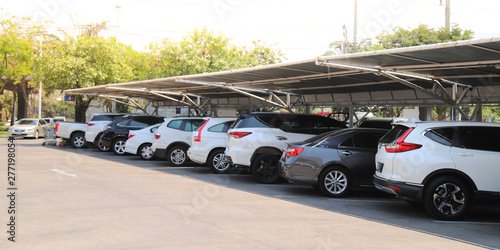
[{"x": 367, "y": 77}]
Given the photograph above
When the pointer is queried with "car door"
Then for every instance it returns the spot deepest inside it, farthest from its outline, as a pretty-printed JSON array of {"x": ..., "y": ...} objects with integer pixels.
[
  {"x": 358, "y": 153},
  {"x": 476, "y": 153}
]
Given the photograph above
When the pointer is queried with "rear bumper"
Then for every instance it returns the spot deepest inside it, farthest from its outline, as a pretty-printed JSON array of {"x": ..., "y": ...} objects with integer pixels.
[
  {"x": 401, "y": 190},
  {"x": 160, "y": 152}
]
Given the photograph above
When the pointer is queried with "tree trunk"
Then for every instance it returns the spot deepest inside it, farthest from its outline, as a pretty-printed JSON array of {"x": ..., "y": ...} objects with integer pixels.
[
  {"x": 22, "y": 100},
  {"x": 81, "y": 106}
]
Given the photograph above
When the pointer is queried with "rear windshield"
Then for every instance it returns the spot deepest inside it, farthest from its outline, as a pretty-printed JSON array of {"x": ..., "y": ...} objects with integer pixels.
[
  {"x": 394, "y": 134},
  {"x": 376, "y": 124}
]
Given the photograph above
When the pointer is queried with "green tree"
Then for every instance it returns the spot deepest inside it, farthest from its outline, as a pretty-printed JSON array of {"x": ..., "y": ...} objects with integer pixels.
[
  {"x": 18, "y": 45},
  {"x": 203, "y": 51},
  {"x": 85, "y": 61}
]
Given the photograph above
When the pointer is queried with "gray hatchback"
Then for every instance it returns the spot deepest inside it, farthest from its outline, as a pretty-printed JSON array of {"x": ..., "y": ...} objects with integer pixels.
[{"x": 336, "y": 161}]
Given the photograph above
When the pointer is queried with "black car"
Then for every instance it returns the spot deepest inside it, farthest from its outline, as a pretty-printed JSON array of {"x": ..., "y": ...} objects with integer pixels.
[
  {"x": 116, "y": 132},
  {"x": 335, "y": 162}
]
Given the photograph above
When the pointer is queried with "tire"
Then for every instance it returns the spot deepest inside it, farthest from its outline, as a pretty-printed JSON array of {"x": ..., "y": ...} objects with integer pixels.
[
  {"x": 145, "y": 152},
  {"x": 447, "y": 198},
  {"x": 118, "y": 146},
  {"x": 334, "y": 181},
  {"x": 101, "y": 147},
  {"x": 217, "y": 162},
  {"x": 177, "y": 155},
  {"x": 36, "y": 134},
  {"x": 266, "y": 169},
  {"x": 77, "y": 140}
]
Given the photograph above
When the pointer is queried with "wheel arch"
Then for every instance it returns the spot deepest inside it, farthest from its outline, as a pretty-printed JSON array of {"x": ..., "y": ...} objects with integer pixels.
[
  {"x": 75, "y": 132},
  {"x": 451, "y": 172},
  {"x": 139, "y": 147},
  {"x": 265, "y": 150},
  {"x": 177, "y": 143}
]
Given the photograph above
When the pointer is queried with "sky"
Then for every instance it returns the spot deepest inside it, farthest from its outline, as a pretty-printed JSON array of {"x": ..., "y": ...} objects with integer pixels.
[{"x": 302, "y": 30}]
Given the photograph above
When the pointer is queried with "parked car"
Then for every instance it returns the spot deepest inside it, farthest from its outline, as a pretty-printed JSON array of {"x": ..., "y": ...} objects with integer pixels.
[
  {"x": 116, "y": 133},
  {"x": 53, "y": 121},
  {"x": 96, "y": 125},
  {"x": 28, "y": 127},
  {"x": 74, "y": 132},
  {"x": 173, "y": 138},
  {"x": 256, "y": 139},
  {"x": 447, "y": 166},
  {"x": 209, "y": 142},
  {"x": 139, "y": 142},
  {"x": 336, "y": 161},
  {"x": 380, "y": 122}
]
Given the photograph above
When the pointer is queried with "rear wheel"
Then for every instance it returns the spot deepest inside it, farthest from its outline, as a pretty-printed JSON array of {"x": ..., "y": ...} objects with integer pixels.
[
  {"x": 119, "y": 146},
  {"x": 217, "y": 161},
  {"x": 447, "y": 198},
  {"x": 99, "y": 144},
  {"x": 266, "y": 169},
  {"x": 77, "y": 140},
  {"x": 334, "y": 181},
  {"x": 145, "y": 151},
  {"x": 177, "y": 155}
]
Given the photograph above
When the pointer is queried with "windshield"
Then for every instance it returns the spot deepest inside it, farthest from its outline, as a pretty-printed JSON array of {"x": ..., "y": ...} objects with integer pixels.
[{"x": 27, "y": 122}]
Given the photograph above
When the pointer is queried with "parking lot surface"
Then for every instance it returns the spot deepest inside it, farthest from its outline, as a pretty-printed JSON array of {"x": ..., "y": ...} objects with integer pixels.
[{"x": 86, "y": 199}]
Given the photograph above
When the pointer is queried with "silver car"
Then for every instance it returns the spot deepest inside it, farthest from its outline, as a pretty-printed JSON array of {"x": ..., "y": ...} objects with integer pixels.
[{"x": 28, "y": 127}]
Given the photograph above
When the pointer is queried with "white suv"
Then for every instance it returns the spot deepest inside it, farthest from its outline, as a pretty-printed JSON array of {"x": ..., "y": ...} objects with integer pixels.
[
  {"x": 209, "y": 142},
  {"x": 447, "y": 166},
  {"x": 256, "y": 140},
  {"x": 173, "y": 138}
]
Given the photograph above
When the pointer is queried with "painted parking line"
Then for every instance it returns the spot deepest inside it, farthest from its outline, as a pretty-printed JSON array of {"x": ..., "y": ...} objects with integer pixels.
[
  {"x": 62, "y": 172},
  {"x": 466, "y": 222}
]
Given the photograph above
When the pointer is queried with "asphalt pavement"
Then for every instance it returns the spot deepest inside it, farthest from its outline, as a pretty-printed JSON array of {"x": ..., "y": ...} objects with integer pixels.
[{"x": 64, "y": 198}]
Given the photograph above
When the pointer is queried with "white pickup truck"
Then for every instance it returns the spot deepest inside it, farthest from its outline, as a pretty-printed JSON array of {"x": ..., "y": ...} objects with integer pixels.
[{"x": 74, "y": 132}]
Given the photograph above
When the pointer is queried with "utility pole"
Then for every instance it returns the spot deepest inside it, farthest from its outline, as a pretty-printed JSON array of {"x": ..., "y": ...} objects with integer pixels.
[
  {"x": 40, "y": 93},
  {"x": 117, "y": 20},
  {"x": 447, "y": 14},
  {"x": 356, "y": 22}
]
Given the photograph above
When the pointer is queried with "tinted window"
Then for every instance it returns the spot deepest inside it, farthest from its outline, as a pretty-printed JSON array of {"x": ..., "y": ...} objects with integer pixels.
[
  {"x": 296, "y": 124},
  {"x": 221, "y": 127},
  {"x": 441, "y": 135},
  {"x": 394, "y": 134},
  {"x": 480, "y": 138},
  {"x": 367, "y": 139},
  {"x": 138, "y": 123},
  {"x": 124, "y": 123},
  {"x": 192, "y": 125},
  {"x": 253, "y": 122},
  {"x": 102, "y": 118},
  {"x": 376, "y": 124},
  {"x": 175, "y": 124},
  {"x": 324, "y": 124}
]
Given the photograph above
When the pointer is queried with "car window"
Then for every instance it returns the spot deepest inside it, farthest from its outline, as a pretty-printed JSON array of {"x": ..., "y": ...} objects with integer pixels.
[
  {"x": 26, "y": 122},
  {"x": 296, "y": 124},
  {"x": 138, "y": 123},
  {"x": 175, "y": 124},
  {"x": 46, "y": 120},
  {"x": 261, "y": 121},
  {"x": 480, "y": 138},
  {"x": 394, "y": 134},
  {"x": 153, "y": 129},
  {"x": 367, "y": 139},
  {"x": 441, "y": 135},
  {"x": 192, "y": 125},
  {"x": 124, "y": 123},
  {"x": 220, "y": 128},
  {"x": 42, "y": 122},
  {"x": 102, "y": 118}
]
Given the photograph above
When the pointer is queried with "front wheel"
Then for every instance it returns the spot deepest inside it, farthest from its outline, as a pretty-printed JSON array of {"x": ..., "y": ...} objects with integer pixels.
[
  {"x": 119, "y": 146},
  {"x": 77, "y": 140},
  {"x": 334, "y": 181},
  {"x": 177, "y": 155},
  {"x": 145, "y": 151},
  {"x": 217, "y": 161},
  {"x": 36, "y": 134},
  {"x": 447, "y": 198},
  {"x": 266, "y": 169}
]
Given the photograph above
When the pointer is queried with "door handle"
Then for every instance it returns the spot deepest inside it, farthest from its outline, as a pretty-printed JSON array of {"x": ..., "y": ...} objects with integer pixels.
[
  {"x": 346, "y": 153},
  {"x": 281, "y": 138},
  {"x": 465, "y": 155}
]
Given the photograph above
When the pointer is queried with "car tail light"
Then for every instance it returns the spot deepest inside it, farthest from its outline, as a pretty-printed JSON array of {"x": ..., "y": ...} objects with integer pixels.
[
  {"x": 130, "y": 136},
  {"x": 290, "y": 152},
  {"x": 91, "y": 124},
  {"x": 197, "y": 137},
  {"x": 401, "y": 146},
  {"x": 239, "y": 134},
  {"x": 57, "y": 127},
  {"x": 157, "y": 136}
]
